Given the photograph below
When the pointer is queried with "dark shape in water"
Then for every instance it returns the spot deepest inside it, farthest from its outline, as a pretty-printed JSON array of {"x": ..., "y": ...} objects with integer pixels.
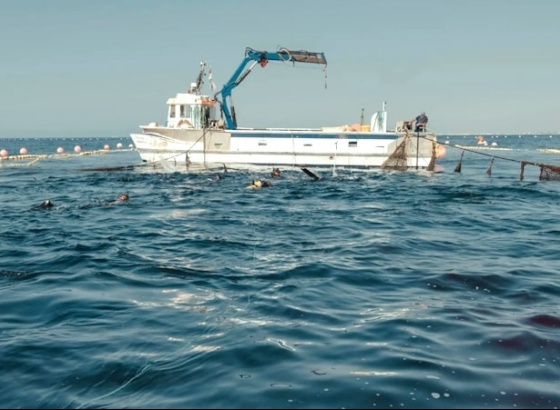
[
  {"x": 107, "y": 169},
  {"x": 46, "y": 204},
  {"x": 311, "y": 174},
  {"x": 260, "y": 183}
]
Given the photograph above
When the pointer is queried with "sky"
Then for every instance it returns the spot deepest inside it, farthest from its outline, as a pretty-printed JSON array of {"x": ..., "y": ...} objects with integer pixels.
[{"x": 73, "y": 68}]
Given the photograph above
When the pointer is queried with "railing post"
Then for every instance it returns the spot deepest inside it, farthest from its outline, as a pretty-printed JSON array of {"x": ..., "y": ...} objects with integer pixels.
[{"x": 417, "y": 147}]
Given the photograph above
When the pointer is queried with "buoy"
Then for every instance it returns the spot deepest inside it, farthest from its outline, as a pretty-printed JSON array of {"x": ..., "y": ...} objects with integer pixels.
[
  {"x": 106, "y": 147},
  {"x": 130, "y": 146},
  {"x": 60, "y": 150},
  {"x": 440, "y": 151},
  {"x": 23, "y": 151},
  {"x": 77, "y": 149},
  {"x": 494, "y": 144},
  {"x": 119, "y": 146},
  {"x": 4, "y": 153}
]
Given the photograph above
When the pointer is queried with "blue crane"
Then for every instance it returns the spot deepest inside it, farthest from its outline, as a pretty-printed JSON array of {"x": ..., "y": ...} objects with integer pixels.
[{"x": 262, "y": 58}]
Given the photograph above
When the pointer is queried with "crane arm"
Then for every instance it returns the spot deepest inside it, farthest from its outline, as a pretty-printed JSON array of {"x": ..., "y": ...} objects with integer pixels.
[{"x": 262, "y": 58}]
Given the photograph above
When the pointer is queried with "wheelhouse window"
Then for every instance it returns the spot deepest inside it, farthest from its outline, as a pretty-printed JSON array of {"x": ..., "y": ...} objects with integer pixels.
[
  {"x": 206, "y": 116},
  {"x": 182, "y": 111},
  {"x": 171, "y": 111},
  {"x": 194, "y": 115}
]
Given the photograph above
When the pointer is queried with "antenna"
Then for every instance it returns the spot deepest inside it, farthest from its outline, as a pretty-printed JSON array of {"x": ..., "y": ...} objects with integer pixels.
[{"x": 362, "y": 117}]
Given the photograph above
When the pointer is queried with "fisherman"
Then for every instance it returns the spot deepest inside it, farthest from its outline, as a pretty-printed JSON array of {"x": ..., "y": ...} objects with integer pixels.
[
  {"x": 418, "y": 123},
  {"x": 421, "y": 122}
]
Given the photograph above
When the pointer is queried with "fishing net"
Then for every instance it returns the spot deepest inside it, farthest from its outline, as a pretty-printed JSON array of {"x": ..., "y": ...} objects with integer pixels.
[
  {"x": 460, "y": 163},
  {"x": 549, "y": 173},
  {"x": 397, "y": 160},
  {"x": 489, "y": 170},
  {"x": 21, "y": 160},
  {"x": 432, "y": 164},
  {"x": 410, "y": 148}
]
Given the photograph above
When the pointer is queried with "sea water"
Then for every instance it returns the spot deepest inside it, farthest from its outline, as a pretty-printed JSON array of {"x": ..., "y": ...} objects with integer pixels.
[{"x": 377, "y": 289}]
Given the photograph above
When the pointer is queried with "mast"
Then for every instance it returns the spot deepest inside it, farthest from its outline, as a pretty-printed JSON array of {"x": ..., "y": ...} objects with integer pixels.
[{"x": 197, "y": 85}]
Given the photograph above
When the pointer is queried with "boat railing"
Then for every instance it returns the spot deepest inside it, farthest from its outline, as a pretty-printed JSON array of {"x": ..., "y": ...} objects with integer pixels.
[{"x": 279, "y": 129}]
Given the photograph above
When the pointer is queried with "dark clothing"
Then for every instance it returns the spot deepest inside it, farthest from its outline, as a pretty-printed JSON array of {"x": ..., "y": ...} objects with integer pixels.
[{"x": 421, "y": 122}]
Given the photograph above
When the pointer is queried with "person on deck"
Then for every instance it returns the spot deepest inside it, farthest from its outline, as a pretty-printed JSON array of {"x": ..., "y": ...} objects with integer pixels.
[{"x": 421, "y": 122}]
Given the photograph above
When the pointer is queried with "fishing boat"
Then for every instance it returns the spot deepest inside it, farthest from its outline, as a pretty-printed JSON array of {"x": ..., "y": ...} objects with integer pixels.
[{"x": 201, "y": 131}]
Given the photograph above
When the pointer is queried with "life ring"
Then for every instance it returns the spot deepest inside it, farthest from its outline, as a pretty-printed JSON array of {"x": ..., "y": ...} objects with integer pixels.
[{"x": 184, "y": 123}]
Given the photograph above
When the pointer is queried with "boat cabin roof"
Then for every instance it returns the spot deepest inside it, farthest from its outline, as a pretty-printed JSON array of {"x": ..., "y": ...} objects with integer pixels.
[{"x": 185, "y": 98}]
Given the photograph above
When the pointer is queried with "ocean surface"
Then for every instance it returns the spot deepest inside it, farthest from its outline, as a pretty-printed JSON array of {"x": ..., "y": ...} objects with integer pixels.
[{"x": 376, "y": 289}]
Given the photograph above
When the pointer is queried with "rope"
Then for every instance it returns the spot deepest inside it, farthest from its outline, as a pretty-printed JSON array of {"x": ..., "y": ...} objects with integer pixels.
[
  {"x": 284, "y": 50},
  {"x": 490, "y": 155},
  {"x": 183, "y": 152},
  {"x": 34, "y": 159}
]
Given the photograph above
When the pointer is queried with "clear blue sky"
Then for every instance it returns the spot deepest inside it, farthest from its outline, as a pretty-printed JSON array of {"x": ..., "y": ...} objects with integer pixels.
[{"x": 103, "y": 67}]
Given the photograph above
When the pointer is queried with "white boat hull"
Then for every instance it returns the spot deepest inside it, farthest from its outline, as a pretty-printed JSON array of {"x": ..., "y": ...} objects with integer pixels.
[{"x": 246, "y": 148}]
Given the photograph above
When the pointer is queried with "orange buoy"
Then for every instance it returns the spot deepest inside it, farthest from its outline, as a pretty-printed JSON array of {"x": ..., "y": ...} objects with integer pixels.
[
  {"x": 23, "y": 151},
  {"x": 60, "y": 150},
  {"x": 106, "y": 147},
  {"x": 440, "y": 151},
  {"x": 4, "y": 153},
  {"x": 77, "y": 149}
]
